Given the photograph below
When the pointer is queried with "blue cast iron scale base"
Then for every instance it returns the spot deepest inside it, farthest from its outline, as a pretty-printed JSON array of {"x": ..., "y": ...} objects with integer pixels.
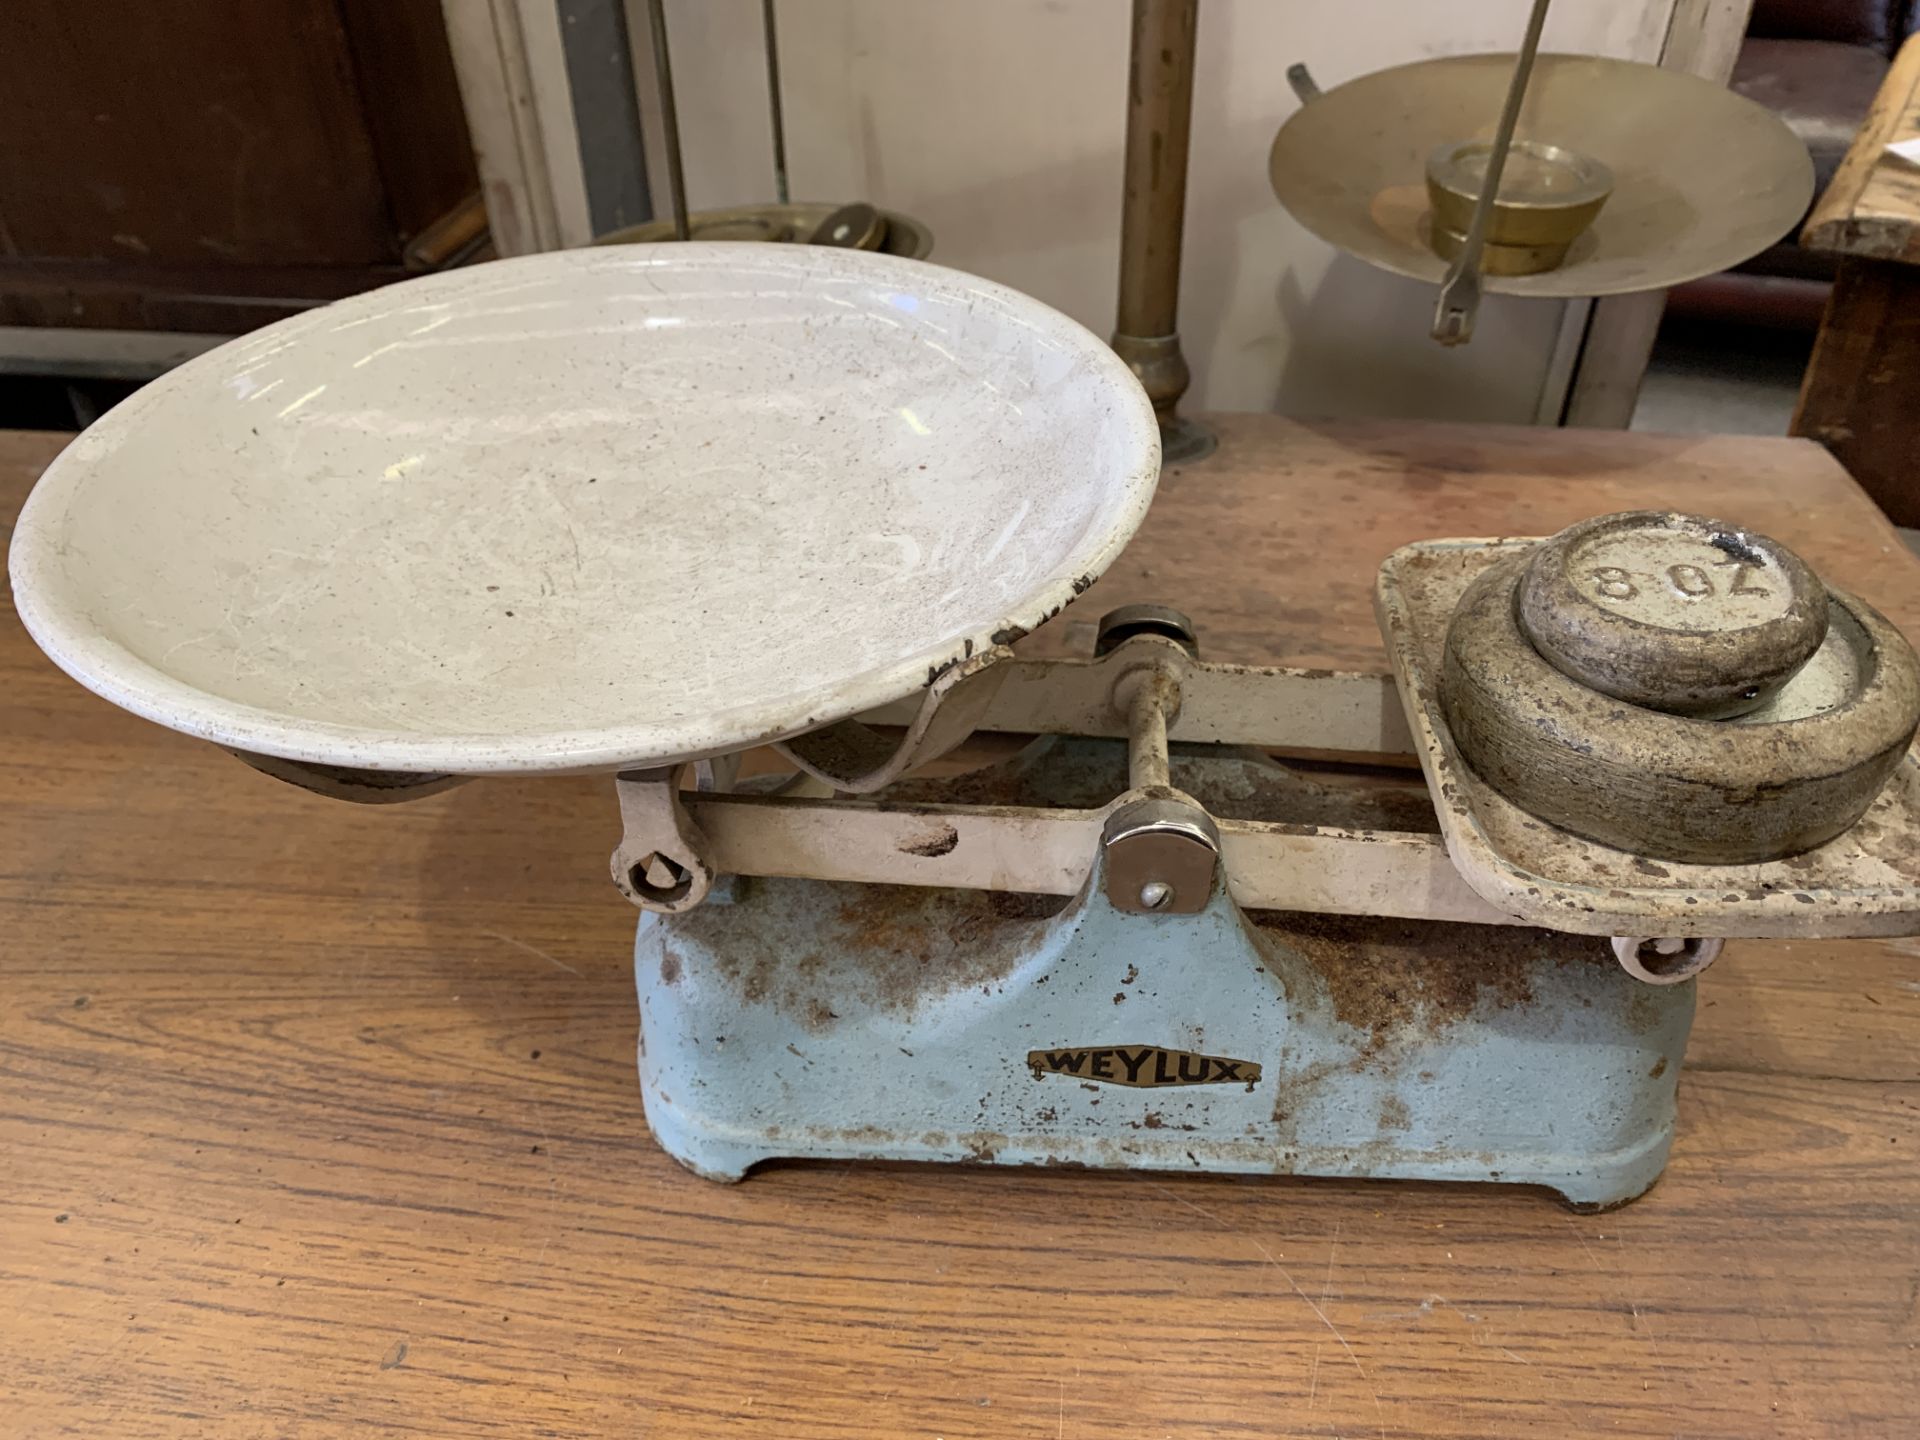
[{"x": 801, "y": 1018}]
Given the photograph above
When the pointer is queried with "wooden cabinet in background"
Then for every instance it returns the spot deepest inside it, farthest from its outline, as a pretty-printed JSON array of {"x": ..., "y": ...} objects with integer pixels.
[{"x": 213, "y": 165}]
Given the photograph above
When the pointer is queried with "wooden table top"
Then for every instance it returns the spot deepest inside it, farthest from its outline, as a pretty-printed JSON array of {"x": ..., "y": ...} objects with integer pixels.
[
  {"x": 323, "y": 1121},
  {"x": 1871, "y": 207}
]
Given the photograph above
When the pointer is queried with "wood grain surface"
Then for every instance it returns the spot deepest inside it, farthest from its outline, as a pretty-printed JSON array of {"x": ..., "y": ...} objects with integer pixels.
[
  {"x": 1860, "y": 396},
  {"x": 1861, "y": 392},
  {"x": 1271, "y": 544},
  {"x": 322, "y": 1121},
  {"x": 211, "y": 166},
  {"x": 1871, "y": 207}
]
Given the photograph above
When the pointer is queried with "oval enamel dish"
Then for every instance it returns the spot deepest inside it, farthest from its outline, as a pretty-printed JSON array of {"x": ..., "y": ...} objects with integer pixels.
[{"x": 586, "y": 510}]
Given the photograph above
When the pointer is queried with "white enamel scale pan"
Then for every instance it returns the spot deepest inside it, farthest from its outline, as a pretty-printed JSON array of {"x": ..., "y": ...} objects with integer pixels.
[{"x": 586, "y": 511}]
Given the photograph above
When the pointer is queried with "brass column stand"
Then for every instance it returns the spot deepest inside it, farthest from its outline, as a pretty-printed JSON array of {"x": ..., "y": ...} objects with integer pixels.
[{"x": 1159, "y": 118}]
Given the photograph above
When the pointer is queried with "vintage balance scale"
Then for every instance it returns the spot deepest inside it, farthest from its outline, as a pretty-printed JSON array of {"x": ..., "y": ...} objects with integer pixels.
[{"x": 644, "y": 509}]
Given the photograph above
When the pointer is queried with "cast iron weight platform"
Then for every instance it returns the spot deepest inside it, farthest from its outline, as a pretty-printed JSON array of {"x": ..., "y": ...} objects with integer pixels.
[{"x": 639, "y": 512}]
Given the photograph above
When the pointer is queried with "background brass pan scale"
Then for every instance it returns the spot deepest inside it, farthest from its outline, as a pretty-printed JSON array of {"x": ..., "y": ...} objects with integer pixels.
[{"x": 1703, "y": 178}]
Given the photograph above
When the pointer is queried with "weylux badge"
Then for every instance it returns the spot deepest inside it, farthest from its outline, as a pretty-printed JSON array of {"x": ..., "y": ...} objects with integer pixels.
[{"x": 1142, "y": 1066}]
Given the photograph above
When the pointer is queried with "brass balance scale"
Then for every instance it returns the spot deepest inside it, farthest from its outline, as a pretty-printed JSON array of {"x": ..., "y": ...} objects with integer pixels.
[
  {"x": 641, "y": 510},
  {"x": 1599, "y": 177}
]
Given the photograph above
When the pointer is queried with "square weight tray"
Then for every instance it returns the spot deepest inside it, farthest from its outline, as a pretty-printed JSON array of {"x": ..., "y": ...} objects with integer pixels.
[{"x": 1863, "y": 882}]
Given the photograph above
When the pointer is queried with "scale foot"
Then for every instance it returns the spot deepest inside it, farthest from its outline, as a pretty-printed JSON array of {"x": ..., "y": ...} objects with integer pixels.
[{"x": 694, "y": 1147}]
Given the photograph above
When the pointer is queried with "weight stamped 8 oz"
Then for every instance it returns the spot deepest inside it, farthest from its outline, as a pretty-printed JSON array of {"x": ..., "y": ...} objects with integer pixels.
[
  {"x": 1672, "y": 612},
  {"x": 1678, "y": 688}
]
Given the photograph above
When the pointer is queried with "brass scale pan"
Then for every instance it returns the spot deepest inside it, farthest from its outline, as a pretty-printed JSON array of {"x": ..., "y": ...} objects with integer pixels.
[{"x": 1703, "y": 178}]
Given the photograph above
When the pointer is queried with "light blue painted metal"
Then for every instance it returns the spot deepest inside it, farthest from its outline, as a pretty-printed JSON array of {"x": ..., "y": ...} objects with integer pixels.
[{"x": 802, "y": 1018}]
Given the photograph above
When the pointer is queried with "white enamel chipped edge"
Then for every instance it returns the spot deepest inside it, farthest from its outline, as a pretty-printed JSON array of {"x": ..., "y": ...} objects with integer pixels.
[{"x": 59, "y": 620}]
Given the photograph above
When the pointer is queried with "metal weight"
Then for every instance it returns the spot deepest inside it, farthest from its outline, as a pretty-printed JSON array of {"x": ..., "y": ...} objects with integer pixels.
[
  {"x": 1787, "y": 775},
  {"x": 1547, "y": 201},
  {"x": 1673, "y": 612}
]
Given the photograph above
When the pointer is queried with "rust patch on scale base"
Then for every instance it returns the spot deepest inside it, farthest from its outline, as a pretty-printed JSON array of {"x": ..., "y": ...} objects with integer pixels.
[
  {"x": 1385, "y": 976},
  {"x": 888, "y": 946}
]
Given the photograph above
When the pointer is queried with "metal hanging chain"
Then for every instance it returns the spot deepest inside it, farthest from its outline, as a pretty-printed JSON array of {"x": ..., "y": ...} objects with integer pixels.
[{"x": 1459, "y": 300}]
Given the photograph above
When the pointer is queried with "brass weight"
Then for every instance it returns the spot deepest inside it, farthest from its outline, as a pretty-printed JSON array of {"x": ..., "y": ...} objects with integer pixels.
[{"x": 1548, "y": 197}]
